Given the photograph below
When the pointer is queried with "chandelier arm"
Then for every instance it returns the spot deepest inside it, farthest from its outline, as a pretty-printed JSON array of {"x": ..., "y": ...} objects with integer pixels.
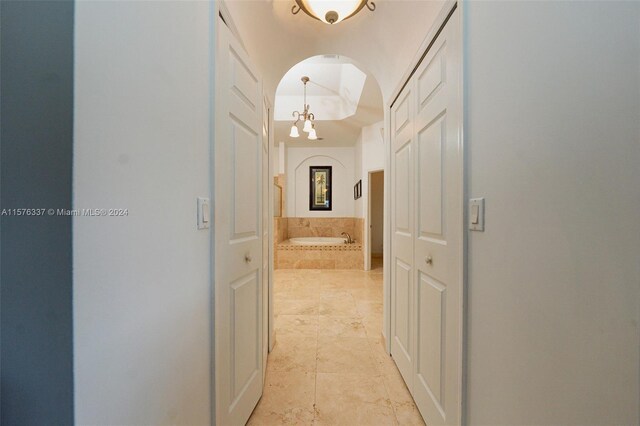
[
  {"x": 295, "y": 9},
  {"x": 311, "y": 116},
  {"x": 370, "y": 5}
]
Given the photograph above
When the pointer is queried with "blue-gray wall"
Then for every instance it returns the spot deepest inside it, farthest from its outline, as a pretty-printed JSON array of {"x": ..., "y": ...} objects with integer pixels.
[{"x": 35, "y": 169}]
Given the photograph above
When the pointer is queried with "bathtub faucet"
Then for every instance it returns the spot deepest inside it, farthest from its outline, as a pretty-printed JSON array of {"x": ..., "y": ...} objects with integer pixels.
[{"x": 349, "y": 240}]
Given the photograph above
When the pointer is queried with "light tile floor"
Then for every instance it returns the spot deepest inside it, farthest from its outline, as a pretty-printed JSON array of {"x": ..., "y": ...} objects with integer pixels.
[{"x": 329, "y": 366}]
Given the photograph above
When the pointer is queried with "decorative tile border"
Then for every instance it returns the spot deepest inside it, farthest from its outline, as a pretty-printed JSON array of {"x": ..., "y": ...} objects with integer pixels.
[{"x": 323, "y": 247}]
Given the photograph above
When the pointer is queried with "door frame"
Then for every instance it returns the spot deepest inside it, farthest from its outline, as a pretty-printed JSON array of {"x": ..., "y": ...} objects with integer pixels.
[
  {"x": 443, "y": 16},
  {"x": 367, "y": 220},
  {"x": 220, "y": 8},
  {"x": 271, "y": 336},
  {"x": 268, "y": 316}
]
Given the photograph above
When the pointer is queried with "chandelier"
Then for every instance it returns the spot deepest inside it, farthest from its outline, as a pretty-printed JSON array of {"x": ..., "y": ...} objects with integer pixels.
[
  {"x": 306, "y": 116},
  {"x": 331, "y": 11}
]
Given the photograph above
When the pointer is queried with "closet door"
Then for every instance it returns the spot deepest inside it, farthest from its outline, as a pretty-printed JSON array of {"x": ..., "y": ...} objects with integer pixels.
[
  {"x": 438, "y": 231},
  {"x": 402, "y": 225},
  {"x": 238, "y": 153}
]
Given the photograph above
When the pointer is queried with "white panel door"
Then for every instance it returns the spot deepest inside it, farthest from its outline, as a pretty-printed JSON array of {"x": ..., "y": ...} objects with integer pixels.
[
  {"x": 439, "y": 231},
  {"x": 402, "y": 218},
  {"x": 238, "y": 153}
]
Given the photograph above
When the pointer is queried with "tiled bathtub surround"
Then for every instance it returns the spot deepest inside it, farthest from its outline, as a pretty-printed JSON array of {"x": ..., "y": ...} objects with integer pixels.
[
  {"x": 280, "y": 229},
  {"x": 339, "y": 256},
  {"x": 343, "y": 256},
  {"x": 325, "y": 227},
  {"x": 279, "y": 235}
]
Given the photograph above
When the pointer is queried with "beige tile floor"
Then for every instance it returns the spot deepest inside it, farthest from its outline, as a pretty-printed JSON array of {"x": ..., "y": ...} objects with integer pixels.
[{"x": 328, "y": 366}]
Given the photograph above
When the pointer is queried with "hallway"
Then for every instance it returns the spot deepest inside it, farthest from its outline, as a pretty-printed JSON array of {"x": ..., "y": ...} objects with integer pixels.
[{"x": 329, "y": 366}]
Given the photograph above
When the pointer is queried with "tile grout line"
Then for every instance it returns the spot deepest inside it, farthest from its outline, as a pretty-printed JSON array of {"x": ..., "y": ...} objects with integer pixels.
[
  {"x": 382, "y": 375},
  {"x": 361, "y": 310},
  {"x": 315, "y": 381}
]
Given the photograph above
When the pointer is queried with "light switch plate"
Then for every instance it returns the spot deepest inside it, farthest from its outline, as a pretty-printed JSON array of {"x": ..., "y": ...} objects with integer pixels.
[
  {"x": 476, "y": 214},
  {"x": 204, "y": 213}
]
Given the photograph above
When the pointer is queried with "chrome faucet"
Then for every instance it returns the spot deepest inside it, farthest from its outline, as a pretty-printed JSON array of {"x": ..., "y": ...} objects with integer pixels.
[{"x": 349, "y": 240}]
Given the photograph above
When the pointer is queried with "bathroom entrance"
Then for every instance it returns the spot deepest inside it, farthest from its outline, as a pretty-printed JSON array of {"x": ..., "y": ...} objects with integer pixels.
[
  {"x": 375, "y": 247},
  {"x": 328, "y": 121}
]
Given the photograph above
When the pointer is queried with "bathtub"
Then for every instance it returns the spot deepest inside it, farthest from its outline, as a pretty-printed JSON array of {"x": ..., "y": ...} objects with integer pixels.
[{"x": 317, "y": 241}]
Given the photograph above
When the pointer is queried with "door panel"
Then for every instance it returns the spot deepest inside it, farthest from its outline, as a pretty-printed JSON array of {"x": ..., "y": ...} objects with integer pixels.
[
  {"x": 402, "y": 194},
  {"x": 432, "y": 77},
  {"x": 245, "y": 83},
  {"x": 427, "y": 231},
  {"x": 402, "y": 198},
  {"x": 245, "y": 331},
  {"x": 402, "y": 295},
  {"x": 431, "y": 320},
  {"x": 438, "y": 246},
  {"x": 238, "y": 302},
  {"x": 245, "y": 165},
  {"x": 401, "y": 114},
  {"x": 430, "y": 182}
]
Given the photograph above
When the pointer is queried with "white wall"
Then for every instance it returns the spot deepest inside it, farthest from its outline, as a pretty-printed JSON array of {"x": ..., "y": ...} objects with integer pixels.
[
  {"x": 279, "y": 157},
  {"x": 357, "y": 174},
  {"x": 553, "y": 140},
  {"x": 275, "y": 159},
  {"x": 298, "y": 162},
  {"x": 141, "y": 282},
  {"x": 369, "y": 157}
]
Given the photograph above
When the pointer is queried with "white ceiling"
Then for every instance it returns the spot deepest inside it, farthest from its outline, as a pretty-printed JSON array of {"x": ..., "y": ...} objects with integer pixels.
[
  {"x": 382, "y": 42},
  {"x": 342, "y": 106},
  {"x": 334, "y": 90},
  {"x": 324, "y": 71},
  {"x": 338, "y": 132}
]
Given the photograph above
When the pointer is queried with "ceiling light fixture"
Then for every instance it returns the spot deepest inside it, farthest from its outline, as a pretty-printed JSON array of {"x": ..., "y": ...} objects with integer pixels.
[
  {"x": 306, "y": 116},
  {"x": 331, "y": 11}
]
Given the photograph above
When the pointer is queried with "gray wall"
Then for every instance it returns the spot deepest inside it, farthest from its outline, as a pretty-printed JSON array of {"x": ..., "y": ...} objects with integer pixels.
[
  {"x": 36, "y": 159},
  {"x": 553, "y": 113}
]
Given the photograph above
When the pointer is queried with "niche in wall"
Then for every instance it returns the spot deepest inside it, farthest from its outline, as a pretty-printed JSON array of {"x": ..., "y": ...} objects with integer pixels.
[{"x": 299, "y": 160}]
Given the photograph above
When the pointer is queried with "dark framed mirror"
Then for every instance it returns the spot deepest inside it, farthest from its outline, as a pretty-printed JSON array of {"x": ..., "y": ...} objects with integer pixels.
[{"x": 320, "y": 188}]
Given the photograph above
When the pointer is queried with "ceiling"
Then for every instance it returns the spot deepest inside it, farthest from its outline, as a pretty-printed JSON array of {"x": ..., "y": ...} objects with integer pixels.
[
  {"x": 334, "y": 89},
  {"x": 382, "y": 43},
  {"x": 342, "y": 97}
]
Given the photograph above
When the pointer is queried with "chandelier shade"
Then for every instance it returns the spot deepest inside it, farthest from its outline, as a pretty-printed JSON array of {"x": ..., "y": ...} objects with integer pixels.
[
  {"x": 331, "y": 11},
  {"x": 312, "y": 134},
  {"x": 307, "y": 126}
]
